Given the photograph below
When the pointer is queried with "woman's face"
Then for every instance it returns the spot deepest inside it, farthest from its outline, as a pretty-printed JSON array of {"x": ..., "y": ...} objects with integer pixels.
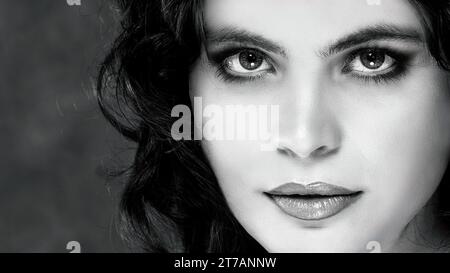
[{"x": 363, "y": 119}]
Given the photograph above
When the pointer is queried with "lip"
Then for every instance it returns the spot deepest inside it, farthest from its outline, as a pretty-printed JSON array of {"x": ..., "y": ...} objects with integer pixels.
[{"x": 315, "y": 201}]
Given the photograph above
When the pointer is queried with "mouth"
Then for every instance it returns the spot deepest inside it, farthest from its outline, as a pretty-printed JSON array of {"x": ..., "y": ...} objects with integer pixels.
[{"x": 315, "y": 201}]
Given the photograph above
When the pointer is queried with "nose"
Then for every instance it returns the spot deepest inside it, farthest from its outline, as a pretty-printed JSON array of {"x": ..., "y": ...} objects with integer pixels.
[{"x": 309, "y": 126}]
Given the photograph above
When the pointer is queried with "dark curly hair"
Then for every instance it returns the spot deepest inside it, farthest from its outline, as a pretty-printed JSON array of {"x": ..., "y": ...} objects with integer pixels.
[{"x": 172, "y": 201}]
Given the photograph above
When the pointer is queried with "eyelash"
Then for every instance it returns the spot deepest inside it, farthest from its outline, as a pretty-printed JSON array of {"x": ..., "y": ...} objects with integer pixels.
[
  {"x": 400, "y": 66},
  {"x": 228, "y": 77},
  {"x": 218, "y": 59}
]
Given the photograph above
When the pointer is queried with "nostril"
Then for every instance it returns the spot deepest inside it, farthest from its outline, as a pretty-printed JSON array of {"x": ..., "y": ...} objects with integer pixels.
[
  {"x": 286, "y": 151},
  {"x": 322, "y": 150},
  {"x": 305, "y": 150}
]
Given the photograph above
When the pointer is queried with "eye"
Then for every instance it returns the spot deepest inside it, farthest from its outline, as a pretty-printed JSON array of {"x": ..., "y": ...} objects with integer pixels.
[
  {"x": 247, "y": 62},
  {"x": 370, "y": 62}
]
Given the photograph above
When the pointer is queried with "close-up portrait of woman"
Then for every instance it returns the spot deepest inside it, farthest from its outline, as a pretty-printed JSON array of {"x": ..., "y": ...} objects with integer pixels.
[{"x": 357, "y": 96}]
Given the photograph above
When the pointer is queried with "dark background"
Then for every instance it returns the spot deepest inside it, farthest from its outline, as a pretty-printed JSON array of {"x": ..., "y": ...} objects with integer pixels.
[{"x": 56, "y": 147}]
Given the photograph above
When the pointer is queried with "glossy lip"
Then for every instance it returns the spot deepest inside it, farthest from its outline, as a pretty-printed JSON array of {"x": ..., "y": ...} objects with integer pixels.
[{"x": 315, "y": 201}]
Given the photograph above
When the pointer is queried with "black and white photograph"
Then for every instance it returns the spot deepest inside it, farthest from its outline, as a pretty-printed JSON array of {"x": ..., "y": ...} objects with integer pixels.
[{"x": 233, "y": 127}]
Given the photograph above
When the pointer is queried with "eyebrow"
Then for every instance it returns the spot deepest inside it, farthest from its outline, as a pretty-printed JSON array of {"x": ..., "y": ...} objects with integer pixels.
[
  {"x": 235, "y": 35},
  {"x": 373, "y": 33},
  {"x": 361, "y": 36}
]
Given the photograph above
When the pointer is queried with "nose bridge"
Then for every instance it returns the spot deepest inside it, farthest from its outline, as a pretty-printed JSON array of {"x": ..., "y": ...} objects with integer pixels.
[{"x": 310, "y": 125}]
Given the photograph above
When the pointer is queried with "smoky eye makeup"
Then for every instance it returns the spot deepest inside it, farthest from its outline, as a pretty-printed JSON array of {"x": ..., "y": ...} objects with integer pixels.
[
  {"x": 377, "y": 64},
  {"x": 241, "y": 63},
  {"x": 366, "y": 64}
]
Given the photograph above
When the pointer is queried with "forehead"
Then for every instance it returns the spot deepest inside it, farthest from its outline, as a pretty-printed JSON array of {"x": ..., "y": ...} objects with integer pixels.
[{"x": 308, "y": 21}]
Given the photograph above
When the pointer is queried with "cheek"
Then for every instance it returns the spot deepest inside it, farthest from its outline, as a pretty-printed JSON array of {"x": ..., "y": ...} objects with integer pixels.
[
  {"x": 233, "y": 162},
  {"x": 239, "y": 167},
  {"x": 406, "y": 147}
]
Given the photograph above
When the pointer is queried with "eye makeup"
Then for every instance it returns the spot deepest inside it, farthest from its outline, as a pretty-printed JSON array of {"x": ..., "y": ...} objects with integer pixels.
[
  {"x": 398, "y": 68},
  {"x": 224, "y": 58}
]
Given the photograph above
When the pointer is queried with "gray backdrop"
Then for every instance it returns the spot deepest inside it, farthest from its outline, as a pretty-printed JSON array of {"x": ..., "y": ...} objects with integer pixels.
[{"x": 55, "y": 145}]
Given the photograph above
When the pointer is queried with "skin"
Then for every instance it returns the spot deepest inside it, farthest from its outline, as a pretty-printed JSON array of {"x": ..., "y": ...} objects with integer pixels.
[{"x": 388, "y": 139}]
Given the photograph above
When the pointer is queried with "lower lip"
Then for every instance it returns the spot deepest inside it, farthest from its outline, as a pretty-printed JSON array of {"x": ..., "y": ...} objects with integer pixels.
[{"x": 314, "y": 208}]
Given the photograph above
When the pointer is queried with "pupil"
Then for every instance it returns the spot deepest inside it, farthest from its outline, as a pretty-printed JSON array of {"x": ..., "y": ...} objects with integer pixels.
[
  {"x": 250, "y": 60},
  {"x": 372, "y": 59}
]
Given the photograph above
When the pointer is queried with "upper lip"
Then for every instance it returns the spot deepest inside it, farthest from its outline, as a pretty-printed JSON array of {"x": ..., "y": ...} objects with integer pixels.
[{"x": 315, "y": 188}]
